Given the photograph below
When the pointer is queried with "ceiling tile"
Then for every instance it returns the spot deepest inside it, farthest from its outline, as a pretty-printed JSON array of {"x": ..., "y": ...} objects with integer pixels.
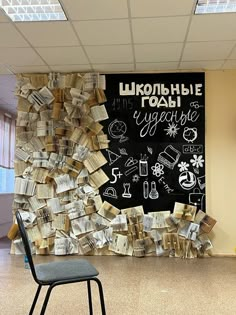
[
  {"x": 71, "y": 68},
  {"x": 160, "y": 7},
  {"x": 207, "y": 50},
  {"x": 146, "y": 66},
  {"x": 49, "y": 33},
  {"x": 212, "y": 27},
  {"x": 156, "y": 30},
  {"x": 103, "y": 32},
  {"x": 229, "y": 64},
  {"x": 30, "y": 69},
  {"x": 233, "y": 53},
  {"x": 158, "y": 52},
  {"x": 10, "y": 37},
  {"x": 103, "y": 9},
  {"x": 20, "y": 57},
  {"x": 110, "y": 54},
  {"x": 63, "y": 55},
  {"x": 208, "y": 64},
  {"x": 113, "y": 67}
]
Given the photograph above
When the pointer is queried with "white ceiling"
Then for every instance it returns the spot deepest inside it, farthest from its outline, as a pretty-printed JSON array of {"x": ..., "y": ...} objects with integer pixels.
[{"x": 116, "y": 36}]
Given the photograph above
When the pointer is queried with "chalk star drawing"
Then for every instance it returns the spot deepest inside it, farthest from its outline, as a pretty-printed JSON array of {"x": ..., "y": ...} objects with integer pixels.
[
  {"x": 172, "y": 130},
  {"x": 157, "y": 169},
  {"x": 183, "y": 166},
  {"x": 135, "y": 178},
  {"x": 197, "y": 161}
]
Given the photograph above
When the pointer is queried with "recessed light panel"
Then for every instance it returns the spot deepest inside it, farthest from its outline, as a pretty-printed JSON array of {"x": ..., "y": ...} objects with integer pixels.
[
  {"x": 33, "y": 10},
  {"x": 215, "y": 6}
]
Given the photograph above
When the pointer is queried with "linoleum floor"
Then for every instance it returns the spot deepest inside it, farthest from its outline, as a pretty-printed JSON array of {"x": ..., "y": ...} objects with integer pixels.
[{"x": 132, "y": 286}]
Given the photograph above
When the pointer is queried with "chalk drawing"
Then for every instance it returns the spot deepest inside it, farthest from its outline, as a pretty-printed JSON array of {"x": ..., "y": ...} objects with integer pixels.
[
  {"x": 130, "y": 162},
  {"x": 117, "y": 129},
  {"x": 190, "y": 134},
  {"x": 187, "y": 180},
  {"x": 169, "y": 157},
  {"x": 123, "y": 151},
  {"x": 172, "y": 130},
  {"x": 157, "y": 169},
  {"x": 110, "y": 192},
  {"x": 113, "y": 157},
  {"x": 153, "y": 193},
  {"x": 126, "y": 193}
]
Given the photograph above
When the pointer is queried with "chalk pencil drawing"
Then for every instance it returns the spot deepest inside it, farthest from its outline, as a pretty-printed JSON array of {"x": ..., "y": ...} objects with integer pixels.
[{"x": 190, "y": 134}]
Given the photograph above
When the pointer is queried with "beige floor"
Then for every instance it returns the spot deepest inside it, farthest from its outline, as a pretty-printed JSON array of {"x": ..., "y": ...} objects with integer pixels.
[{"x": 132, "y": 286}]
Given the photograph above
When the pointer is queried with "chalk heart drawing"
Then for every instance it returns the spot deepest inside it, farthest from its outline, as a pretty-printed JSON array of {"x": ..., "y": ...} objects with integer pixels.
[
  {"x": 110, "y": 192},
  {"x": 117, "y": 129},
  {"x": 187, "y": 180},
  {"x": 190, "y": 134}
]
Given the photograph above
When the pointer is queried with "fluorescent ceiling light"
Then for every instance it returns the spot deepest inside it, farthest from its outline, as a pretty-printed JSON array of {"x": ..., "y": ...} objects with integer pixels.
[
  {"x": 215, "y": 6},
  {"x": 33, "y": 10}
]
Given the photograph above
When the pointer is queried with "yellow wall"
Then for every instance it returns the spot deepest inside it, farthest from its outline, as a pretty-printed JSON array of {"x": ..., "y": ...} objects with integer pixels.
[{"x": 221, "y": 158}]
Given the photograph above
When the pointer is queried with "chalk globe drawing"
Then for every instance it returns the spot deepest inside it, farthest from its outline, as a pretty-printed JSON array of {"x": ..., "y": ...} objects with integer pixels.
[
  {"x": 187, "y": 180},
  {"x": 117, "y": 129}
]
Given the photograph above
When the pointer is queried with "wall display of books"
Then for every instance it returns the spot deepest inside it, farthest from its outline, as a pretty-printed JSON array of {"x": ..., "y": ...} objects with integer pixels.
[{"x": 95, "y": 175}]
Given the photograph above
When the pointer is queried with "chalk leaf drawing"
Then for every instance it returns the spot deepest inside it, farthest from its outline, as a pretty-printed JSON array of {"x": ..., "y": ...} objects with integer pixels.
[
  {"x": 150, "y": 150},
  {"x": 190, "y": 134},
  {"x": 197, "y": 161},
  {"x": 157, "y": 169},
  {"x": 172, "y": 130},
  {"x": 123, "y": 151},
  {"x": 187, "y": 180},
  {"x": 183, "y": 166},
  {"x": 110, "y": 192}
]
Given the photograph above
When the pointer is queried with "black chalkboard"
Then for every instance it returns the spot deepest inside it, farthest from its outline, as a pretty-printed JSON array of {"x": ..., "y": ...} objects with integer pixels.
[{"x": 156, "y": 128}]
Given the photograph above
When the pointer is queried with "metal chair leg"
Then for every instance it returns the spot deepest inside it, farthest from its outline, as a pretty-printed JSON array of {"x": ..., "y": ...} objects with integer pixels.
[
  {"x": 45, "y": 302},
  {"x": 90, "y": 298},
  {"x": 35, "y": 300},
  {"x": 101, "y": 295}
]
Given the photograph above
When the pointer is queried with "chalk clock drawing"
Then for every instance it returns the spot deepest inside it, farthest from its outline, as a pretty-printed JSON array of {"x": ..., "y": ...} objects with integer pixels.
[{"x": 190, "y": 134}]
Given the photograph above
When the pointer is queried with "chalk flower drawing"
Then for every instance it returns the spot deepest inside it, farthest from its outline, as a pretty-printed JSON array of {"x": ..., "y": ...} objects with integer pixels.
[
  {"x": 183, "y": 166},
  {"x": 157, "y": 169},
  {"x": 172, "y": 130},
  {"x": 197, "y": 161},
  {"x": 135, "y": 178}
]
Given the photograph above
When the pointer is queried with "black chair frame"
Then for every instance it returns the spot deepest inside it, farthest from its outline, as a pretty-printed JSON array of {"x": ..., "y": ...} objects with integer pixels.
[{"x": 53, "y": 284}]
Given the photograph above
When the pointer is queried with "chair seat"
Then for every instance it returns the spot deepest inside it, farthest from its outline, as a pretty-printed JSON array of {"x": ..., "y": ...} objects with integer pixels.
[{"x": 65, "y": 270}]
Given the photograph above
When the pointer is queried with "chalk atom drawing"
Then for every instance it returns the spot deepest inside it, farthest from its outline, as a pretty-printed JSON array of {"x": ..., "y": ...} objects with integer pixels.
[{"x": 157, "y": 169}]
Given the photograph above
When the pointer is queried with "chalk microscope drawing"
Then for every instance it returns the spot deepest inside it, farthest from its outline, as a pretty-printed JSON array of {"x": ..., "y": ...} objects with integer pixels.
[
  {"x": 117, "y": 129},
  {"x": 190, "y": 134},
  {"x": 110, "y": 192}
]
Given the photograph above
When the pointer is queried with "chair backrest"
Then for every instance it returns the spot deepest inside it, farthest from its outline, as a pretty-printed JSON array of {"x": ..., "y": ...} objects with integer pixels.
[{"x": 26, "y": 243}]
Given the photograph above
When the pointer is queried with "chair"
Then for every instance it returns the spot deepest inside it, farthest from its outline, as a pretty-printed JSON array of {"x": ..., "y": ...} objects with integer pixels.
[{"x": 57, "y": 273}]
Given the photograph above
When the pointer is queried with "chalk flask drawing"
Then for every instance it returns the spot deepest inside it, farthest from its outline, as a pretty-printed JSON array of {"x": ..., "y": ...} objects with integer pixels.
[{"x": 153, "y": 193}]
